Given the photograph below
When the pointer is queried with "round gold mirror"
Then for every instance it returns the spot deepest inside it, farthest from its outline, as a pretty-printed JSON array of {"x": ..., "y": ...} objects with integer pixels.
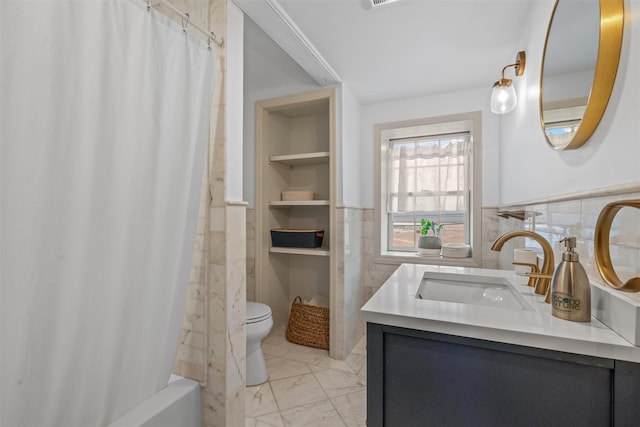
[{"x": 579, "y": 66}]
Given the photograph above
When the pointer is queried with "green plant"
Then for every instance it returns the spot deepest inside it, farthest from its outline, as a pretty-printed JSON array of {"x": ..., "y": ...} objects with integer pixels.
[{"x": 426, "y": 225}]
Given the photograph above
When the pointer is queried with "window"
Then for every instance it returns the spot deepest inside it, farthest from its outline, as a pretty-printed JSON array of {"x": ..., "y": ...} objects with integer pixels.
[
  {"x": 427, "y": 178},
  {"x": 562, "y": 123},
  {"x": 427, "y": 169}
]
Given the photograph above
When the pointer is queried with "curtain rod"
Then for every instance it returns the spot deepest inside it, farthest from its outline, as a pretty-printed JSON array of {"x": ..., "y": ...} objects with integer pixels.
[{"x": 210, "y": 35}]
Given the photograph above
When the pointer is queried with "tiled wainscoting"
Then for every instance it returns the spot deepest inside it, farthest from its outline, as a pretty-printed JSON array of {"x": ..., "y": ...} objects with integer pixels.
[{"x": 353, "y": 238}]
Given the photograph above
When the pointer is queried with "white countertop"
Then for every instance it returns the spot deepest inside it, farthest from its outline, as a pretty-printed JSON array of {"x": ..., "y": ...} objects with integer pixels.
[{"x": 395, "y": 304}]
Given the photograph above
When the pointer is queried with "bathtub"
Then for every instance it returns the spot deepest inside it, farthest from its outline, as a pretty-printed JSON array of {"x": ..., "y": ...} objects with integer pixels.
[{"x": 178, "y": 404}]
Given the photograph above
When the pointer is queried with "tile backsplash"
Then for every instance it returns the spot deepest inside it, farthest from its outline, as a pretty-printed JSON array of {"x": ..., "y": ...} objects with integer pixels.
[{"x": 578, "y": 218}]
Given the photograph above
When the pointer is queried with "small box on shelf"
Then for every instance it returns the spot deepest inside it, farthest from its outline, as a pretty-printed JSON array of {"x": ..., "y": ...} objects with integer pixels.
[{"x": 296, "y": 195}]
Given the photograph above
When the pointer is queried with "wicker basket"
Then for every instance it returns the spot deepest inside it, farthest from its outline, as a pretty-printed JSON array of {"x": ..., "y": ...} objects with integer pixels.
[{"x": 308, "y": 325}]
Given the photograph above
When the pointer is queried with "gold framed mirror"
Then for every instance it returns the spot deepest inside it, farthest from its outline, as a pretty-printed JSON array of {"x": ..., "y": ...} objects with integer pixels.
[{"x": 579, "y": 66}]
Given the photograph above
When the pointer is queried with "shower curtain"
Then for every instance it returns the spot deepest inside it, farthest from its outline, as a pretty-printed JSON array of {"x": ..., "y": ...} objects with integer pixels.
[{"x": 104, "y": 110}]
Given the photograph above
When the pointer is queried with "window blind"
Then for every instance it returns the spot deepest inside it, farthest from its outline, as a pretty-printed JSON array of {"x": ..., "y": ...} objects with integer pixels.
[{"x": 428, "y": 174}]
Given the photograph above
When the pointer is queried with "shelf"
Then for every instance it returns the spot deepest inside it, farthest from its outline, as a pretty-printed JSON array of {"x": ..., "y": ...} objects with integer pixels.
[
  {"x": 287, "y": 204},
  {"x": 302, "y": 159},
  {"x": 300, "y": 251}
]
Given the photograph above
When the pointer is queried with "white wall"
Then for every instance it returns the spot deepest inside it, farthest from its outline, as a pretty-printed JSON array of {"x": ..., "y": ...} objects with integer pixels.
[
  {"x": 432, "y": 106},
  {"x": 234, "y": 99},
  {"x": 269, "y": 72},
  {"x": 529, "y": 168},
  {"x": 518, "y": 165},
  {"x": 351, "y": 145}
]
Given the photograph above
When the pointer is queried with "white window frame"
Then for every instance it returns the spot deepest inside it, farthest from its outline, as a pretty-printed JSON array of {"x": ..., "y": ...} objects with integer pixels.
[
  {"x": 384, "y": 132},
  {"x": 390, "y": 138}
]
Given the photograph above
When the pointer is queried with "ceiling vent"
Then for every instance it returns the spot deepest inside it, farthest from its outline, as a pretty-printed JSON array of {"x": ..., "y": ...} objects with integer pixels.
[{"x": 378, "y": 3}]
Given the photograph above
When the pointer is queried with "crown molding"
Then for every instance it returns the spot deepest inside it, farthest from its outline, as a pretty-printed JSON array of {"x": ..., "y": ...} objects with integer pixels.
[{"x": 274, "y": 21}]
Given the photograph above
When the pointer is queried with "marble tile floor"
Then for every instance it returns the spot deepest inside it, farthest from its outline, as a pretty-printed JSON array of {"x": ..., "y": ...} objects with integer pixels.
[{"x": 307, "y": 388}]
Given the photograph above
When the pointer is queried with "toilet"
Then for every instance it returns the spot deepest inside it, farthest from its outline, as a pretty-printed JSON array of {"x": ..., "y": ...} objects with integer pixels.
[{"x": 259, "y": 323}]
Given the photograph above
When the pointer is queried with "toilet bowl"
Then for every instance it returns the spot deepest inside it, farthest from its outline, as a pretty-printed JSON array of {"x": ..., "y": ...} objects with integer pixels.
[{"x": 259, "y": 323}]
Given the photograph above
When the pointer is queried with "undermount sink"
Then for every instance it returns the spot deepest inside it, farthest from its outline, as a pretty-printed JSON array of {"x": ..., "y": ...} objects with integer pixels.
[{"x": 492, "y": 291}]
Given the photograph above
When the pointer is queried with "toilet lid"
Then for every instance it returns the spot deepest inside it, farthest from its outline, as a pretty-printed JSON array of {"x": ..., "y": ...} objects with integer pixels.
[{"x": 257, "y": 312}]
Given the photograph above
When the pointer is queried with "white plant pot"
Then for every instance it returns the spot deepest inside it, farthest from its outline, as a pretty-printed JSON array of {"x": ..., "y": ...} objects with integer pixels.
[{"x": 429, "y": 245}]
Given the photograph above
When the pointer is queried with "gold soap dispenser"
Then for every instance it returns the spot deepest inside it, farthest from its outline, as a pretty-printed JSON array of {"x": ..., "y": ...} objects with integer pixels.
[{"x": 570, "y": 288}]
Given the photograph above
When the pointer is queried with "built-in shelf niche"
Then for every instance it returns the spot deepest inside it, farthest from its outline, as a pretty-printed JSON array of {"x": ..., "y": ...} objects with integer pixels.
[{"x": 295, "y": 142}]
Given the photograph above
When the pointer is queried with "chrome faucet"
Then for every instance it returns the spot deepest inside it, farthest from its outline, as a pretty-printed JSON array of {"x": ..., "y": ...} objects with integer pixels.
[{"x": 545, "y": 275}]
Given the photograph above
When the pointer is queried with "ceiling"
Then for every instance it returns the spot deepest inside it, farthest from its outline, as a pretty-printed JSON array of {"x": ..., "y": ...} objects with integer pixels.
[{"x": 411, "y": 48}]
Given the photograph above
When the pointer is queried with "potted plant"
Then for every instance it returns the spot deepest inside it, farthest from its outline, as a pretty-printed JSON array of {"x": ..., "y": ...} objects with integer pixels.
[{"x": 429, "y": 244}]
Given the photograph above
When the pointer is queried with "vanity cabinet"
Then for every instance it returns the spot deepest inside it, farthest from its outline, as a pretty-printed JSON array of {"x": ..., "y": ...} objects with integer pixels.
[
  {"x": 295, "y": 150},
  {"x": 420, "y": 378}
]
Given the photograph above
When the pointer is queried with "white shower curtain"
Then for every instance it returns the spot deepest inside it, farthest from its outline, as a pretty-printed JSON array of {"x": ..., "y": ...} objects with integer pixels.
[{"x": 104, "y": 111}]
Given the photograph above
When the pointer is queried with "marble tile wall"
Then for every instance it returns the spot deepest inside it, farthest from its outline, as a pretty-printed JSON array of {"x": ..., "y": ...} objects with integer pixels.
[
  {"x": 555, "y": 220},
  {"x": 251, "y": 254},
  {"x": 350, "y": 232},
  {"x": 223, "y": 396},
  {"x": 489, "y": 235}
]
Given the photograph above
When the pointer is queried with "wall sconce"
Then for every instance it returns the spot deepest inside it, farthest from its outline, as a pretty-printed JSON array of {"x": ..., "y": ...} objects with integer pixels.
[{"x": 503, "y": 96}]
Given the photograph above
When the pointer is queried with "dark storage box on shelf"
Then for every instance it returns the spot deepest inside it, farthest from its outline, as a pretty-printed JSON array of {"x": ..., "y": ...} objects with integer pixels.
[{"x": 296, "y": 238}]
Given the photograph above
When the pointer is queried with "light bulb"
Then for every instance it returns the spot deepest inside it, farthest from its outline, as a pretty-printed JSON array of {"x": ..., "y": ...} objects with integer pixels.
[{"x": 503, "y": 97}]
